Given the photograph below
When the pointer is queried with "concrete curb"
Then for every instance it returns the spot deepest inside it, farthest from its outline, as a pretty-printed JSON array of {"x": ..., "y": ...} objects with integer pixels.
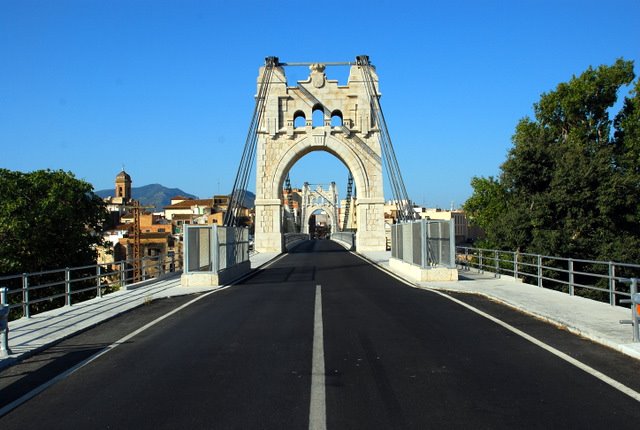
[{"x": 562, "y": 324}]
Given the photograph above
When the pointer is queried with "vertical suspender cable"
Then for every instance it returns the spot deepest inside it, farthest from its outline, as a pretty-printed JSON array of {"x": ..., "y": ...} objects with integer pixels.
[
  {"x": 345, "y": 220},
  {"x": 291, "y": 215}
]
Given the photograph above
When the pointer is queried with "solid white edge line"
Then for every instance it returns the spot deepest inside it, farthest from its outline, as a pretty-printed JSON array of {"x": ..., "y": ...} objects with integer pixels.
[
  {"x": 31, "y": 394},
  {"x": 317, "y": 405},
  {"x": 580, "y": 365}
]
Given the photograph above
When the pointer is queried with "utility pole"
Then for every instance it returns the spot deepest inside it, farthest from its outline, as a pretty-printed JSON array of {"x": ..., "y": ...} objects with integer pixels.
[
  {"x": 137, "y": 233},
  {"x": 137, "y": 258}
]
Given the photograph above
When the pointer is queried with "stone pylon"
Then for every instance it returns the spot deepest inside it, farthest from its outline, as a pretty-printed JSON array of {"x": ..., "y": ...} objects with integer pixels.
[{"x": 287, "y": 133}]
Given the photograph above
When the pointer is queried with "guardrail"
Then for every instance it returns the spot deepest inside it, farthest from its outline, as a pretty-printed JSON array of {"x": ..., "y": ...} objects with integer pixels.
[
  {"x": 346, "y": 237},
  {"x": 634, "y": 302},
  {"x": 605, "y": 281},
  {"x": 31, "y": 293},
  {"x": 4, "y": 324}
]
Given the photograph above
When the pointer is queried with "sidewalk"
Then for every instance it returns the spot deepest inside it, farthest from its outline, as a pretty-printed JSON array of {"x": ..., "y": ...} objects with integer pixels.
[
  {"x": 597, "y": 321},
  {"x": 30, "y": 335}
]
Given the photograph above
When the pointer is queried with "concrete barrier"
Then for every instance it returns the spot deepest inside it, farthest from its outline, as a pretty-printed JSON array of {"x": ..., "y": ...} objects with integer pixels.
[{"x": 419, "y": 274}]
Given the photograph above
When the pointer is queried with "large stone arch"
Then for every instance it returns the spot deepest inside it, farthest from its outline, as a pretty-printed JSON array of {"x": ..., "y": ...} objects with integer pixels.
[
  {"x": 324, "y": 198},
  {"x": 355, "y": 142},
  {"x": 312, "y": 210},
  {"x": 299, "y": 149}
]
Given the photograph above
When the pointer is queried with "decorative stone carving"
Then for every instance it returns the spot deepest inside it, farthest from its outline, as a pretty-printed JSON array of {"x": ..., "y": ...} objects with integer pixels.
[{"x": 317, "y": 75}]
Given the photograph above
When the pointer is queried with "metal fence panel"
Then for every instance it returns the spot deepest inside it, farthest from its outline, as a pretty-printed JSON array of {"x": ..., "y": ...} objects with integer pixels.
[
  {"x": 396, "y": 242},
  {"x": 222, "y": 253},
  {"x": 407, "y": 242},
  {"x": 233, "y": 246},
  {"x": 198, "y": 244},
  {"x": 212, "y": 248},
  {"x": 415, "y": 230},
  {"x": 424, "y": 243}
]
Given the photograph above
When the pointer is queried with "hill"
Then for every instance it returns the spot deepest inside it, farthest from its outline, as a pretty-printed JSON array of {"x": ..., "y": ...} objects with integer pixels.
[
  {"x": 154, "y": 195},
  {"x": 249, "y": 199}
]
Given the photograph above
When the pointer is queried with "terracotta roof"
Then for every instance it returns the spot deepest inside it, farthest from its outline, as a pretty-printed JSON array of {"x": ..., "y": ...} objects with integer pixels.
[
  {"x": 148, "y": 236},
  {"x": 183, "y": 216},
  {"x": 189, "y": 203},
  {"x": 123, "y": 175}
]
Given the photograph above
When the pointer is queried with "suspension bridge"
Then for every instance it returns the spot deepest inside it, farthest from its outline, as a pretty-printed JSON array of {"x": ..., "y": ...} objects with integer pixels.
[{"x": 322, "y": 337}]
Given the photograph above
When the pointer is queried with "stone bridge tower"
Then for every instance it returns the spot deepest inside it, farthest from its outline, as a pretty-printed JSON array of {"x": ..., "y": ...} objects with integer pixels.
[
  {"x": 322, "y": 199},
  {"x": 288, "y": 132}
]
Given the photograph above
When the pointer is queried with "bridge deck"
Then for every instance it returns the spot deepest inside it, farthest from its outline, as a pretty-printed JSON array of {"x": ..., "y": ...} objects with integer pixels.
[
  {"x": 593, "y": 320},
  {"x": 30, "y": 335},
  {"x": 322, "y": 337}
]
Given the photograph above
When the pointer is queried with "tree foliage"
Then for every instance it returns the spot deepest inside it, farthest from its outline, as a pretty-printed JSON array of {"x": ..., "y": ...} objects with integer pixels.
[
  {"x": 570, "y": 185},
  {"x": 48, "y": 220}
]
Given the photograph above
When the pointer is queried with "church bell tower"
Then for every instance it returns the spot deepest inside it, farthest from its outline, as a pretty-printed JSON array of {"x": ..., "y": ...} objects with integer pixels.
[{"x": 123, "y": 186}]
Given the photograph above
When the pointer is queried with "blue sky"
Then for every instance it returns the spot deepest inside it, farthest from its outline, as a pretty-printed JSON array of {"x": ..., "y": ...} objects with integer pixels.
[{"x": 166, "y": 88}]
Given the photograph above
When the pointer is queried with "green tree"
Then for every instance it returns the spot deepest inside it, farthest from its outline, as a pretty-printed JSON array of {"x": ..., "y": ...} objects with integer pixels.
[
  {"x": 569, "y": 185},
  {"x": 48, "y": 220},
  {"x": 624, "y": 198}
]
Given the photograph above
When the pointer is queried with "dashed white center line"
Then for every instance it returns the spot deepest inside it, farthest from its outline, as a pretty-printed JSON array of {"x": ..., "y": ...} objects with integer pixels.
[{"x": 318, "y": 406}]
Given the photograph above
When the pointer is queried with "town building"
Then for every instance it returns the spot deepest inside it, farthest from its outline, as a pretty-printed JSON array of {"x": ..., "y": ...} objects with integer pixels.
[
  {"x": 184, "y": 211},
  {"x": 117, "y": 205},
  {"x": 291, "y": 201},
  {"x": 155, "y": 232},
  {"x": 463, "y": 232}
]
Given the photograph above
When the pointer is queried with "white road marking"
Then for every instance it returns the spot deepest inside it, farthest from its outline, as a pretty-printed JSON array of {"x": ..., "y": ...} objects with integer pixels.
[
  {"x": 31, "y": 394},
  {"x": 580, "y": 365},
  {"x": 318, "y": 407}
]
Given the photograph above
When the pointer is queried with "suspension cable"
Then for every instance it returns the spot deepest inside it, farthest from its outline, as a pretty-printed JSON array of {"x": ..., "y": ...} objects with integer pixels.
[
  {"x": 400, "y": 195},
  {"x": 239, "y": 191}
]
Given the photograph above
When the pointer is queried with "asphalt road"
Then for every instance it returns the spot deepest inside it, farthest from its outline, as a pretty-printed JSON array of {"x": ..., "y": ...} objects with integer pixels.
[{"x": 394, "y": 357}]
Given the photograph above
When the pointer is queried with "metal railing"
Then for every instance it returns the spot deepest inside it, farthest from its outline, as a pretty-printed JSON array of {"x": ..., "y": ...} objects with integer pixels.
[
  {"x": 213, "y": 248},
  {"x": 634, "y": 303},
  {"x": 5, "y": 351},
  {"x": 425, "y": 243},
  {"x": 605, "y": 281},
  {"x": 31, "y": 293},
  {"x": 346, "y": 237}
]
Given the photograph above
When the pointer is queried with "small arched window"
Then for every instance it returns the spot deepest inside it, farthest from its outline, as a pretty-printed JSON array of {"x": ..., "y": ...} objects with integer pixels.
[
  {"x": 318, "y": 116},
  {"x": 299, "y": 120},
  {"x": 336, "y": 118}
]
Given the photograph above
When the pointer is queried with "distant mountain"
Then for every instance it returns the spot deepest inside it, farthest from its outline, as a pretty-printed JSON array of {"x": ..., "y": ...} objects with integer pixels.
[
  {"x": 154, "y": 195},
  {"x": 249, "y": 199}
]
